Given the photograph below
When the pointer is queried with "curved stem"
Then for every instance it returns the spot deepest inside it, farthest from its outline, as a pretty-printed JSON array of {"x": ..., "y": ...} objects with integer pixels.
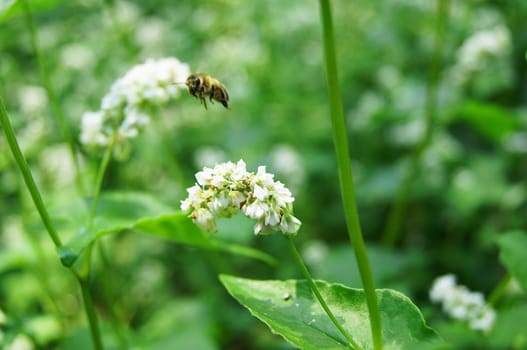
[
  {"x": 345, "y": 175},
  {"x": 500, "y": 288},
  {"x": 316, "y": 292},
  {"x": 392, "y": 231},
  {"x": 60, "y": 118},
  {"x": 28, "y": 177}
]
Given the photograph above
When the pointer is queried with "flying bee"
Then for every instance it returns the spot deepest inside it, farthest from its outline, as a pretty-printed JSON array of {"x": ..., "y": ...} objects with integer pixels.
[{"x": 202, "y": 85}]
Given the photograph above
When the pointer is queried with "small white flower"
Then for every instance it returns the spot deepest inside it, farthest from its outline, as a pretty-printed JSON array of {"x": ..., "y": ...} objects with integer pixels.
[
  {"x": 256, "y": 209},
  {"x": 290, "y": 224},
  {"x": 205, "y": 220},
  {"x": 239, "y": 172},
  {"x": 260, "y": 192}
]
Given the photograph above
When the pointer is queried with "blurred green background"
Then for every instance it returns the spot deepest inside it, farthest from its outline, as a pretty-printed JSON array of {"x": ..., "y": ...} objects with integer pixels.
[{"x": 469, "y": 185}]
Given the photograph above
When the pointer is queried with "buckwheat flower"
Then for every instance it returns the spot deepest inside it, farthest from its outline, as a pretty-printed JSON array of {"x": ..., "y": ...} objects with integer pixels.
[
  {"x": 92, "y": 129},
  {"x": 125, "y": 110},
  {"x": 462, "y": 304},
  {"x": 229, "y": 188},
  {"x": 442, "y": 287},
  {"x": 484, "y": 320}
]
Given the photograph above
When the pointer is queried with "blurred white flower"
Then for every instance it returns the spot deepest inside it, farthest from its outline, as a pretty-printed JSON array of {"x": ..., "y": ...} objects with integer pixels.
[
  {"x": 288, "y": 164},
  {"x": 315, "y": 252},
  {"x": 208, "y": 156},
  {"x": 442, "y": 287},
  {"x": 77, "y": 56},
  {"x": 462, "y": 304},
  {"x": 91, "y": 129},
  {"x": 20, "y": 342},
  {"x": 57, "y": 165},
  {"x": 150, "y": 33},
  {"x": 32, "y": 99},
  {"x": 124, "y": 110},
  {"x": 125, "y": 13},
  {"x": 227, "y": 188},
  {"x": 474, "y": 52}
]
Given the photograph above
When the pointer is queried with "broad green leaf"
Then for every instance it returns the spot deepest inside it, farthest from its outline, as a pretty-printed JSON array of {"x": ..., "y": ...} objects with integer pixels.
[
  {"x": 290, "y": 310},
  {"x": 13, "y": 8},
  {"x": 118, "y": 211},
  {"x": 513, "y": 246}
]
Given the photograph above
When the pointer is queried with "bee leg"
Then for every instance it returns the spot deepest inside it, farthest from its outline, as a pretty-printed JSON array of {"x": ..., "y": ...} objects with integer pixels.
[
  {"x": 212, "y": 92},
  {"x": 224, "y": 98},
  {"x": 204, "y": 102}
]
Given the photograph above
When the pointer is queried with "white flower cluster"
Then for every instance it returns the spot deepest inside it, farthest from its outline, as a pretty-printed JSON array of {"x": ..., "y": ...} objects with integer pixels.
[
  {"x": 477, "y": 49},
  {"x": 227, "y": 188},
  {"x": 124, "y": 110},
  {"x": 462, "y": 304}
]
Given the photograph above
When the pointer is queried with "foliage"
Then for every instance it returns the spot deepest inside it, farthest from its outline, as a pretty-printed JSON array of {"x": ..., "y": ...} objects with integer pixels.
[{"x": 153, "y": 274}]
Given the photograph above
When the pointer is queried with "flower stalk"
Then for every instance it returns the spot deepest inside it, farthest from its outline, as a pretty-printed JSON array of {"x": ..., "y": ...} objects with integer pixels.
[
  {"x": 298, "y": 259},
  {"x": 345, "y": 174}
]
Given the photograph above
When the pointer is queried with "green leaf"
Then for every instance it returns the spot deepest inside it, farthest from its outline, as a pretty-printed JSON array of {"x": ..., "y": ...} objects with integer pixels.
[
  {"x": 290, "y": 310},
  {"x": 513, "y": 246},
  {"x": 118, "y": 211},
  {"x": 491, "y": 120},
  {"x": 13, "y": 8},
  {"x": 179, "y": 228}
]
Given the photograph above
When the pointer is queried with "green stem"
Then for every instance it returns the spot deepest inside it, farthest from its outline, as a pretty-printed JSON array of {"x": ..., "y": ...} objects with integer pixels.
[
  {"x": 392, "y": 231},
  {"x": 316, "y": 292},
  {"x": 500, "y": 288},
  {"x": 346, "y": 177},
  {"x": 99, "y": 180},
  {"x": 39, "y": 203},
  {"x": 26, "y": 173},
  {"x": 55, "y": 105},
  {"x": 90, "y": 313}
]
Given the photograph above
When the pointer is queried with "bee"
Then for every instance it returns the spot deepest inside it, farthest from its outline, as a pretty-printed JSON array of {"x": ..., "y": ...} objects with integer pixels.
[{"x": 202, "y": 85}]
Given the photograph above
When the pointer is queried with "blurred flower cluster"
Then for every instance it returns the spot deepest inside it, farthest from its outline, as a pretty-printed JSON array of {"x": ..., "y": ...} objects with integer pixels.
[
  {"x": 126, "y": 108},
  {"x": 462, "y": 304},
  {"x": 227, "y": 188}
]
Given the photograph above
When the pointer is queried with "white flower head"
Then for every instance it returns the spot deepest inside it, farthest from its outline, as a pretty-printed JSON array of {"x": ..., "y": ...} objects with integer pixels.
[
  {"x": 461, "y": 303},
  {"x": 124, "y": 110},
  {"x": 230, "y": 189}
]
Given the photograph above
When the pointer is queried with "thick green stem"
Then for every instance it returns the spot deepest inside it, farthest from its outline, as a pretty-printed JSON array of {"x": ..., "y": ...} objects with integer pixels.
[
  {"x": 55, "y": 105},
  {"x": 26, "y": 173},
  {"x": 392, "y": 231},
  {"x": 345, "y": 175},
  {"x": 316, "y": 292}
]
